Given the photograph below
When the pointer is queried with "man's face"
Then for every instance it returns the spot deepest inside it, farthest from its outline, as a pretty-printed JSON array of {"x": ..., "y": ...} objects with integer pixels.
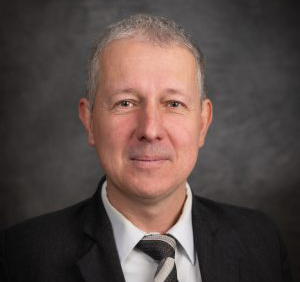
[{"x": 147, "y": 123}]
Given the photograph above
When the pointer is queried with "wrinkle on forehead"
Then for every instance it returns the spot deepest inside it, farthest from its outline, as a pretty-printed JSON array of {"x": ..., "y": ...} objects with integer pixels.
[{"x": 119, "y": 58}]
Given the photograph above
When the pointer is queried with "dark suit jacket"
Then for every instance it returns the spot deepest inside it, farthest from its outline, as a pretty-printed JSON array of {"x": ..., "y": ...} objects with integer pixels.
[{"x": 76, "y": 244}]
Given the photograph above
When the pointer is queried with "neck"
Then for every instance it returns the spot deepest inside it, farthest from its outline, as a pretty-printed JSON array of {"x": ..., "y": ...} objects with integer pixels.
[{"x": 149, "y": 215}]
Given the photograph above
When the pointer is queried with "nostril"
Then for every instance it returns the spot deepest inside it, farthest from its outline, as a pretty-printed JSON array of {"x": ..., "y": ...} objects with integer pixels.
[
  {"x": 148, "y": 138},
  {"x": 141, "y": 138}
]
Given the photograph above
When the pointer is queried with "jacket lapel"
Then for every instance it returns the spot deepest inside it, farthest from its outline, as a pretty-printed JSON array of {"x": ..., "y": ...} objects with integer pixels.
[
  {"x": 218, "y": 247},
  {"x": 101, "y": 261}
]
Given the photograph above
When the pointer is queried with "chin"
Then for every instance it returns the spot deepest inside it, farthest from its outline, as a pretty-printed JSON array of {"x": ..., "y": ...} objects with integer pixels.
[{"x": 150, "y": 189}]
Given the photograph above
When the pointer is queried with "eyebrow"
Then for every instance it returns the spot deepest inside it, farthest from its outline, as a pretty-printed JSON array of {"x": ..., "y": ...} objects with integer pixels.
[
  {"x": 174, "y": 91},
  {"x": 125, "y": 90},
  {"x": 132, "y": 90}
]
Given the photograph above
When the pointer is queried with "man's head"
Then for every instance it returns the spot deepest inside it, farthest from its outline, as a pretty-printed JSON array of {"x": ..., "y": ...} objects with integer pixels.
[
  {"x": 146, "y": 118},
  {"x": 157, "y": 30}
]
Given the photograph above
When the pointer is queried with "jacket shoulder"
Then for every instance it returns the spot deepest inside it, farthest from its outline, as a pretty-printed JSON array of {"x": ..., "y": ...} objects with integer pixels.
[
  {"x": 57, "y": 234},
  {"x": 233, "y": 217},
  {"x": 253, "y": 231},
  {"x": 48, "y": 223}
]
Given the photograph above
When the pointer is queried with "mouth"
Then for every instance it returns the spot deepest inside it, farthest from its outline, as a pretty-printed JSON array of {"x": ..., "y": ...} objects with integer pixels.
[{"x": 148, "y": 162}]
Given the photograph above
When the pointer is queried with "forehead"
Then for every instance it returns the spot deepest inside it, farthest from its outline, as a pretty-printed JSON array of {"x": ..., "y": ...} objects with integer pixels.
[{"x": 131, "y": 59}]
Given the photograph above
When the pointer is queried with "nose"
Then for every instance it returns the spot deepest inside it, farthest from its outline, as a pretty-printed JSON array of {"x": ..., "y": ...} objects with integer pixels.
[{"x": 149, "y": 124}]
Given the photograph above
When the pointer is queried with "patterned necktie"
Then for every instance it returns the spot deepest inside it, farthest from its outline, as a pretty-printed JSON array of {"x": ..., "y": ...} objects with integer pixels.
[{"x": 162, "y": 249}]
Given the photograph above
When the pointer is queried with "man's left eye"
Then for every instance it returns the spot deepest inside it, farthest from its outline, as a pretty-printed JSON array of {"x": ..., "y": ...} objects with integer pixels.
[
  {"x": 174, "y": 104},
  {"x": 125, "y": 104}
]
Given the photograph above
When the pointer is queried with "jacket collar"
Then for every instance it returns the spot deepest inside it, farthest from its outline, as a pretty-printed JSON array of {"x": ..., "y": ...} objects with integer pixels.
[{"x": 101, "y": 261}]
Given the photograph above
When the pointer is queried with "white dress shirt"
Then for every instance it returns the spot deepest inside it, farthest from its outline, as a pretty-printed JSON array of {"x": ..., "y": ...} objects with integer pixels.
[{"x": 139, "y": 267}]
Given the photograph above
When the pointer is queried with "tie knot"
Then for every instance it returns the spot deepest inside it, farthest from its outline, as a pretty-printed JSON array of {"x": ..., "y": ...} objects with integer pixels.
[{"x": 158, "y": 246}]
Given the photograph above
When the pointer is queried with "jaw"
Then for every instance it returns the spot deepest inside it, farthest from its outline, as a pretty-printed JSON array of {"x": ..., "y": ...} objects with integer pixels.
[{"x": 149, "y": 210}]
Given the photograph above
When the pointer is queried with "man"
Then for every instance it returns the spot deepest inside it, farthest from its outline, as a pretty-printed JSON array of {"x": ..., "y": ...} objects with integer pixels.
[{"x": 147, "y": 116}]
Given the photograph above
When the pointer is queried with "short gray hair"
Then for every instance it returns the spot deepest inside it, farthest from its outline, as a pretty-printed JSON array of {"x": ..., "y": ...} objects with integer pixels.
[{"x": 155, "y": 29}]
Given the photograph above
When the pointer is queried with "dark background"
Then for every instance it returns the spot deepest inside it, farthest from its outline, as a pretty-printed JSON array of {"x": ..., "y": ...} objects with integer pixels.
[{"x": 251, "y": 157}]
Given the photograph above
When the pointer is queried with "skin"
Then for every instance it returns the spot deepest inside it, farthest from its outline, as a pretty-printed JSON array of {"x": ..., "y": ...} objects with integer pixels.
[{"x": 147, "y": 126}]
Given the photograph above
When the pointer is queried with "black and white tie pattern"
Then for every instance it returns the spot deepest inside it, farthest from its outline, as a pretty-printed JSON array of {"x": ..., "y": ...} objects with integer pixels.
[{"x": 162, "y": 249}]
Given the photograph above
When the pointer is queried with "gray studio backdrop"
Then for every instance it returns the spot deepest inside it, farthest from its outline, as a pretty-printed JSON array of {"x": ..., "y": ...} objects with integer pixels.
[{"x": 251, "y": 157}]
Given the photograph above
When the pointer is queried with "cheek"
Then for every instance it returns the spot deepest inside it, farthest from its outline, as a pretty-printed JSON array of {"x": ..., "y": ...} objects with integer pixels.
[
  {"x": 184, "y": 135},
  {"x": 112, "y": 134}
]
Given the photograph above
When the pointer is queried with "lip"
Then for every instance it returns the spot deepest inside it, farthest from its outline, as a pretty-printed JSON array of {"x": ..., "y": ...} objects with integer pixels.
[{"x": 148, "y": 162}]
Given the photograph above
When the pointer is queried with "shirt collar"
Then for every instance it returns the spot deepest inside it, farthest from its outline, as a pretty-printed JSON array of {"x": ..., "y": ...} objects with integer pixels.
[
  {"x": 183, "y": 229},
  {"x": 127, "y": 235}
]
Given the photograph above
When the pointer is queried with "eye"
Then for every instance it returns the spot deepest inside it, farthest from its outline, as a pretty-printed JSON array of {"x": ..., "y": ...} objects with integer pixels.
[
  {"x": 125, "y": 104},
  {"x": 174, "y": 104}
]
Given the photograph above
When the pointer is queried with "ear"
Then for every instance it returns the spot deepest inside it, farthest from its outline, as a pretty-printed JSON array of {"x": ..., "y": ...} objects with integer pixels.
[
  {"x": 85, "y": 116},
  {"x": 206, "y": 118}
]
